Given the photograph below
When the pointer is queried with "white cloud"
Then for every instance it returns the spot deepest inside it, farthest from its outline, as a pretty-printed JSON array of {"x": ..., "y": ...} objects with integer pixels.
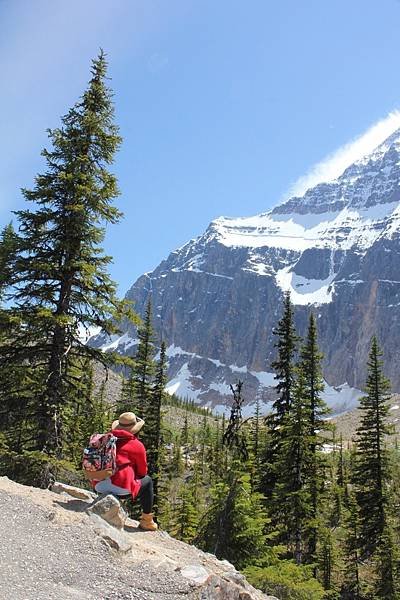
[{"x": 333, "y": 165}]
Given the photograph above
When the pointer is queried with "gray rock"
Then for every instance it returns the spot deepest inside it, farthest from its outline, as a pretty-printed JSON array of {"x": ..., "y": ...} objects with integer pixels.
[
  {"x": 218, "y": 588},
  {"x": 114, "y": 538},
  {"x": 109, "y": 509},
  {"x": 195, "y": 573},
  {"x": 130, "y": 524},
  {"x": 62, "y": 488}
]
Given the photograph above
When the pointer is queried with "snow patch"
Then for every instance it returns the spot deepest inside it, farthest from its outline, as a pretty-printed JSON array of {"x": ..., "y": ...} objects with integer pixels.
[
  {"x": 343, "y": 229},
  {"x": 85, "y": 333},
  {"x": 265, "y": 378},
  {"x": 341, "y": 398},
  {"x": 116, "y": 341},
  {"x": 181, "y": 384},
  {"x": 222, "y": 388},
  {"x": 305, "y": 291}
]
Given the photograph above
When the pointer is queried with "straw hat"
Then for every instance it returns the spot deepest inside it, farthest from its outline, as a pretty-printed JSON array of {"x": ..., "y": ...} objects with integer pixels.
[{"x": 128, "y": 421}]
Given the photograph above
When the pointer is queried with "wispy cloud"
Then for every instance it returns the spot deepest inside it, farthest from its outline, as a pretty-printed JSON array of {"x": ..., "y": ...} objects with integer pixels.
[
  {"x": 157, "y": 62},
  {"x": 333, "y": 165}
]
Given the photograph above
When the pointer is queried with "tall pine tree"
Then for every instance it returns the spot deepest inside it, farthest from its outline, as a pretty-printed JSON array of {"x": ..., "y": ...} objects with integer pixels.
[
  {"x": 372, "y": 471},
  {"x": 284, "y": 367},
  {"x": 153, "y": 422},
  {"x": 59, "y": 272},
  {"x": 144, "y": 366},
  {"x": 310, "y": 368},
  {"x": 292, "y": 500}
]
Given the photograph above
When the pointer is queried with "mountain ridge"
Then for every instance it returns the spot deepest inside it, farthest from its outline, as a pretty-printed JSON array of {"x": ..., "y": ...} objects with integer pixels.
[{"x": 336, "y": 249}]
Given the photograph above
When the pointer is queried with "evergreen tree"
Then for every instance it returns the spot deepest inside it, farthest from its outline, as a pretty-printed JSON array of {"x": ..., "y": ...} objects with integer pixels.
[
  {"x": 153, "y": 422},
  {"x": 144, "y": 366},
  {"x": 8, "y": 247},
  {"x": 372, "y": 471},
  {"x": 341, "y": 472},
  {"x": 284, "y": 367},
  {"x": 233, "y": 526},
  {"x": 351, "y": 587},
  {"x": 59, "y": 276},
  {"x": 310, "y": 368},
  {"x": 205, "y": 442},
  {"x": 292, "y": 499},
  {"x": 185, "y": 431},
  {"x": 256, "y": 447},
  {"x": 126, "y": 401},
  {"x": 177, "y": 465},
  {"x": 16, "y": 379},
  {"x": 387, "y": 567},
  {"x": 233, "y": 436},
  {"x": 186, "y": 518},
  {"x": 327, "y": 558}
]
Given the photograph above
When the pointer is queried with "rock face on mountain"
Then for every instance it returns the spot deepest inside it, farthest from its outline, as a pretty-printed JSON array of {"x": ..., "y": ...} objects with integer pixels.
[{"x": 336, "y": 248}]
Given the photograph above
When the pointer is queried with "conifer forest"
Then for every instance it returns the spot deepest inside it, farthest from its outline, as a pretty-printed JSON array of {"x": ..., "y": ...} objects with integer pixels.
[{"x": 262, "y": 492}]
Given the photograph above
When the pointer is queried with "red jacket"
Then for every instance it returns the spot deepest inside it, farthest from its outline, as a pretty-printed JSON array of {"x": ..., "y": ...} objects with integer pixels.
[{"x": 132, "y": 453}]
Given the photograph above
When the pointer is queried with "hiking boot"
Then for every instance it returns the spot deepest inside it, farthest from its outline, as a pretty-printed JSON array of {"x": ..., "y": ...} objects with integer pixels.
[{"x": 146, "y": 522}]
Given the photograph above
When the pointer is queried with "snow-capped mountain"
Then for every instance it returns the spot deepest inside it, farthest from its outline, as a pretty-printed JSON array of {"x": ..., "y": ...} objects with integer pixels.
[{"x": 336, "y": 248}]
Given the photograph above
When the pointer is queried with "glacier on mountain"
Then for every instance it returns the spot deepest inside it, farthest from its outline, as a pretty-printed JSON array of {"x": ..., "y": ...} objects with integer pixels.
[{"x": 336, "y": 248}]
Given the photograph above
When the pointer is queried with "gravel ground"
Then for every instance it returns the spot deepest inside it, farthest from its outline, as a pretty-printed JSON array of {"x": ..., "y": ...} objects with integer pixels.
[{"x": 44, "y": 560}]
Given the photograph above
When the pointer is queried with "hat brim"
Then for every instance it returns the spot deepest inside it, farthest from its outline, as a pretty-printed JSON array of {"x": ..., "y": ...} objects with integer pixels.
[
  {"x": 136, "y": 428},
  {"x": 132, "y": 428}
]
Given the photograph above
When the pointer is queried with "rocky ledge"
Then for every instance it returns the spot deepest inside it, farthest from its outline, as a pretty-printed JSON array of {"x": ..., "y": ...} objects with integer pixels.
[{"x": 67, "y": 544}]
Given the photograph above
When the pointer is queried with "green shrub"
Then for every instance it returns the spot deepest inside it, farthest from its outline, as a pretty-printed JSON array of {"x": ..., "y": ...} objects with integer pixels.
[
  {"x": 286, "y": 580},
  {"x": 38, "y": 469}
]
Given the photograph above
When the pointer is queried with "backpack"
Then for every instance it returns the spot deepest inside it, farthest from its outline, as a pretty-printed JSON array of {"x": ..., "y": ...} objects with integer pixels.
[{"x": 100, "y": 456}]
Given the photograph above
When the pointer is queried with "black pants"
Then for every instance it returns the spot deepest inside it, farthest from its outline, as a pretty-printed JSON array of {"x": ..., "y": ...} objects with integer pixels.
[{"x": 146, "y": 494}]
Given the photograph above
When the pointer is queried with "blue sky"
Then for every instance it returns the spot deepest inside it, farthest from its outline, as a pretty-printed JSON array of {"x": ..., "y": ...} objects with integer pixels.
[{"x": 223, "y": 105}]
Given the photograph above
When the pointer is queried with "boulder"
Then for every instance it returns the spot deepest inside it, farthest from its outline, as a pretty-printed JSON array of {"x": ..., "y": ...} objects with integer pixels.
[
  {"x": 109, "y": 509},
  {"x": 114, "y": 538},
  {"x": 63, "y": 488},
  {"x": 222, "y": 588}
]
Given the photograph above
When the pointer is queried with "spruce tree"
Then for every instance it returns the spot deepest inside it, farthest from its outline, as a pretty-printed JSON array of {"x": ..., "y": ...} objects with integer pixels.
[
  {"x": 387, "y": 567},
  {"x": 256, "y": 447},
  {"x": 372, "y": 471},
  {"x": 15, "y": 377},
  {"x": 8, "y": 246},
  {"x": 186, "y": 517},
  {"x": 176, "y": 467},
  {"x": 233, "y": 436},
  {"x": 291, "y": 503},
  {"x": 233, "y": 526},
  {"x": 126, "y": 401},
  {"x": 351, "y": 586},
  {"x": 310, "y": 368},
  {"x": 59, "y": 276},
  {"x": 153, "y": 422},
  {"x": 284, "y": 367},
  {"x": 144, "y": 367}
]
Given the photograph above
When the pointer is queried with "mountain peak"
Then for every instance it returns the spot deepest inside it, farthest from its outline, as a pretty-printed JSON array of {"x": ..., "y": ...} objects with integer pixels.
[{"x": 372, "y": 179}]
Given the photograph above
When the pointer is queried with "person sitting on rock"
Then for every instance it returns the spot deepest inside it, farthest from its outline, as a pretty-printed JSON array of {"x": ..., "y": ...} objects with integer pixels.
[{"x": 131, "y": 476}]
